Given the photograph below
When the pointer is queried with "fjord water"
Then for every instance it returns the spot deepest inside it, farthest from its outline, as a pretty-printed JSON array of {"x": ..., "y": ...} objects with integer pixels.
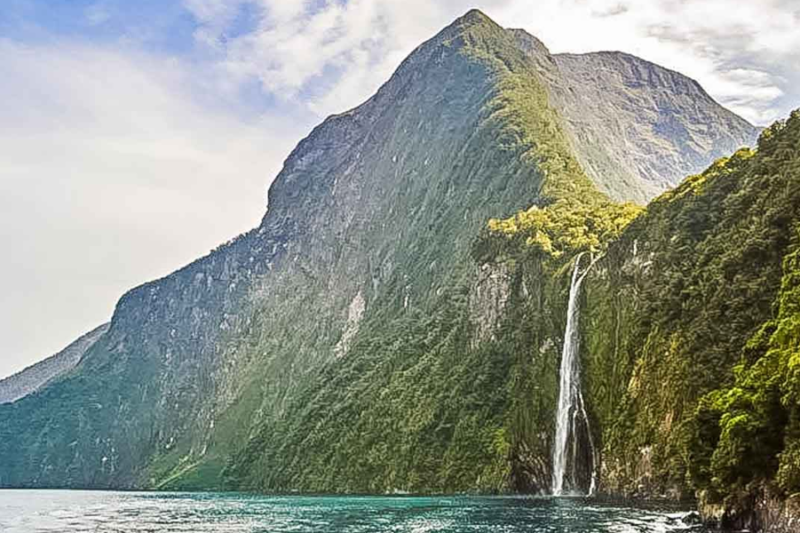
[{"x": 120, "y": 512}]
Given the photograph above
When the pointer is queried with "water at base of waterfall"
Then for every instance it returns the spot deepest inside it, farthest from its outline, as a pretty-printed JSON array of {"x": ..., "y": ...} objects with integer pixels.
[{"x": 35, "y": 511}]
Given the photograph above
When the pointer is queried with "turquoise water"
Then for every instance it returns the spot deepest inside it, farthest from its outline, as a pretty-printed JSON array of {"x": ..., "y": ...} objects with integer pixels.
[{"x": 117, "y": 512}]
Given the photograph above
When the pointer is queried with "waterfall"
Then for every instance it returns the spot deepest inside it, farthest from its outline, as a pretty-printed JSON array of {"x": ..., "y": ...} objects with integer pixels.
[{"x": 571, "y": 415}]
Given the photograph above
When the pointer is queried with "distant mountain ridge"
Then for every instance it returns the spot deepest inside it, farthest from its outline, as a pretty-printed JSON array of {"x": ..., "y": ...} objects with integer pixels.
[
  {"x": 34, "y": 377},
  {"x": 359, "y": 340},
  {"x": 637, "y": 128}
]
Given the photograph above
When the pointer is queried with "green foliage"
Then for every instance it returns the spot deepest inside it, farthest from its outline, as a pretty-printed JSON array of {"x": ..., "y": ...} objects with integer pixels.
[
  {"x": 568, "y": 225},
  {"x": 418, "y": 403},
  {"x": 748, "y": 432},
  {"x": 410, "y": 408},
  {"x": 688, "y": 292},
  {"x": 246, "y": 338}
]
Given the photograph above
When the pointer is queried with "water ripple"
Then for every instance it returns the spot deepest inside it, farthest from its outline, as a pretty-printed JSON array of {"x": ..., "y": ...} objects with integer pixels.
[{"x": 116, "y": 512}]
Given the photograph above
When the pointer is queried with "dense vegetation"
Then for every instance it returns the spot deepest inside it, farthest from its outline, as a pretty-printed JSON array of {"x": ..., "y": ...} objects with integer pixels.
[
  {"x": 419, "y": 403},
  {"x": 696, "y": 294},
  {"x": 566, "y": 226},
  {"x": 700, "y": 290},
  {"x": 376, "y": 334},
  {"x": 748, "y": 433}
]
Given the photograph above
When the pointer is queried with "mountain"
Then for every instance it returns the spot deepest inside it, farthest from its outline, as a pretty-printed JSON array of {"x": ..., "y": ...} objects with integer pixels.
[
  {"x": 396, "y": 320},
  {"x": 36, "y": 376},
  {"x": 637, "y": 128},
  {"x": 689, "y": 333},
  {"x": 700, "y": 380}
]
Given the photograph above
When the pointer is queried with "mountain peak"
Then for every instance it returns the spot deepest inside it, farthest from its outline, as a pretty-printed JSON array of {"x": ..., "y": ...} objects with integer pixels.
[
  {"x": 474, "y": 22},
  {"x": 474, "y": 16}
]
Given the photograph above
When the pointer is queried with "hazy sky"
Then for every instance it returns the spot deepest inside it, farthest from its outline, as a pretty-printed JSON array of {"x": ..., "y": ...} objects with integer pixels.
[{"x": 136, "y": 136}]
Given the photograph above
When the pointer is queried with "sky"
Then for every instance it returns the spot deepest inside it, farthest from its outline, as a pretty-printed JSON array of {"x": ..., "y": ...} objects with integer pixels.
[{"x": 137, "y": 136}]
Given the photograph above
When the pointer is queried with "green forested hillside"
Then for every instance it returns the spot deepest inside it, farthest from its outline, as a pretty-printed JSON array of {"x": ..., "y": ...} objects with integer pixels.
[
  {"x": 690, "y": 330},
  {"x": 396, "y": 321},
  {"x": 418, "y": 403},
  {"x": 747, "y": 432},
  {"x": 689, "y": 319},
  {"x": 38, "y": 375},
  {"x": 221, "y": 374}
]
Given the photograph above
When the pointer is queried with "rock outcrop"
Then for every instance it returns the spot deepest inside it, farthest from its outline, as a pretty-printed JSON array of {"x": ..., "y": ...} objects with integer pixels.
[
  {"x": 637, "y": 128},
  {"x": 36, "y": 376}
]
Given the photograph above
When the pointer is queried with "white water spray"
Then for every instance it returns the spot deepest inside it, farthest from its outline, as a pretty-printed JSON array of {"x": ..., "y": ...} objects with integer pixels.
[{"x": 571, "y": 408}]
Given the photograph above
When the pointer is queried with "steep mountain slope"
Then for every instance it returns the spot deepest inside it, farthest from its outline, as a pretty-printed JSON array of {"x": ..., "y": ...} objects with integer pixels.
[
  {"x": 638, "y": 129},
  {"x": 34, "y": 377},
  {"x": 351, "y": 342},
  {"x": 689, "y": 332},
  {"x": 684, "y": 289},
  {"x": 376, "y": 205}
]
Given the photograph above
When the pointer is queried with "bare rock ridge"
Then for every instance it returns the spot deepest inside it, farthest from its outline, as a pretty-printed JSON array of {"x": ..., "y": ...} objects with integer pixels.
[
  {"x": 34, "y": 377},
  {"x": 266, "y": 364},
  {"x": 637, "y": 128}
]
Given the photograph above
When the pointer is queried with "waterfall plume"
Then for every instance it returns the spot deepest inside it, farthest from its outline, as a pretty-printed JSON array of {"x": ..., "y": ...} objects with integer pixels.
[{"x": 572, "y": 460}]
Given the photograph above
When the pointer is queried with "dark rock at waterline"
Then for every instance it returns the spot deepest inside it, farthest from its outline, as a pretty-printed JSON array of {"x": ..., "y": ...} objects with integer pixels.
[
  {"x": 760, "y": 510},
  {"x": 692, "y": 518}
]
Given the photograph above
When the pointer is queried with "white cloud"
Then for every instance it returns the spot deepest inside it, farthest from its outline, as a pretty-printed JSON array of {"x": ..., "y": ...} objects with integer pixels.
[
  {"x": 332, "y": 55},
  {"x": 97, "y": 14},
  {"x": 112, "y": 173},
  {"x": 713, "y": 41},
  {"x": 118, "y": 166}
]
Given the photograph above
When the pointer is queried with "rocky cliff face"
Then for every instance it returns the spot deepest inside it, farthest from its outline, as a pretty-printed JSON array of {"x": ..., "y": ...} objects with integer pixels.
[
  {"x": 637, "y": 129},
  {"x": 690, "y": 332},
  {"x": 358, "y": 339},
  {"x": 757, "y": 510},
  {"x": 377, "y": 205},
  {"x": 36, "y": 376}
]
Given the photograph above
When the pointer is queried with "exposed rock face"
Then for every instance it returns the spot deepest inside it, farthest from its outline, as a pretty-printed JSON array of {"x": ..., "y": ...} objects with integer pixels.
[
  {"x": 760, "y": 510},
  {"x": 638, "y": 129},
  {"x": 778, "y": 515},
  {"x": 378, "y": 204},
  {"x": 334, "y": 347},
  {"x": 355, "y": 313},
  {"x": 487, "y": 301},
  {"x": 36, "y": 376}
]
